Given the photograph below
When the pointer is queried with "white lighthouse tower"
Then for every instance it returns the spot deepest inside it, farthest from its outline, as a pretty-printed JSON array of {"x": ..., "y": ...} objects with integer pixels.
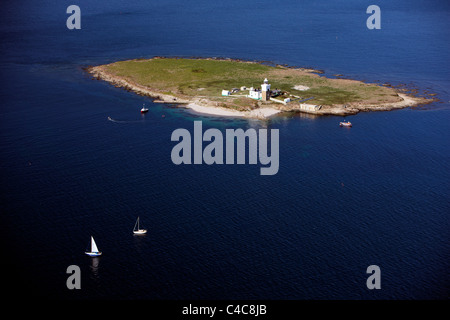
[{"x": 265, "y": 90}]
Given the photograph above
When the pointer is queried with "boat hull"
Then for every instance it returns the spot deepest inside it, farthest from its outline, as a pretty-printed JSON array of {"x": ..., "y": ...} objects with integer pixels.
[
  {"x": 345, "y": 124},
  {"x": 140, "y": 231},
  {"x": 93, "y": 254}
]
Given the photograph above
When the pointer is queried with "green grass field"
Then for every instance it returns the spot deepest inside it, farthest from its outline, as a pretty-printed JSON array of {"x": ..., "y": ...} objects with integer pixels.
[{"x": 206, "y": 78}]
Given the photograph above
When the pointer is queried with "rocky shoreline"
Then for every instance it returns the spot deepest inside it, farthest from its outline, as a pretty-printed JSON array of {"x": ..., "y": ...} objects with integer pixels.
[{"x": 266, "y": 110}]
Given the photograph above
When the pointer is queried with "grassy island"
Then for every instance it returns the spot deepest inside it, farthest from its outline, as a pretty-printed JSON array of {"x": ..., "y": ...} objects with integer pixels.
[{"x": 201, "y": 83}]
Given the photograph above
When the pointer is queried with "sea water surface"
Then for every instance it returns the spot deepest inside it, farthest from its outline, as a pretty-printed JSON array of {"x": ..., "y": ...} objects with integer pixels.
[{"x": 343, "y": 199}]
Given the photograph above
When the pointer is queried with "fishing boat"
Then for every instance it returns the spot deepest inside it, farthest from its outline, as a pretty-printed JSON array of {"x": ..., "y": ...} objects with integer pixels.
[
  {"x": 94, "y": 250},
  {"x": 144, "y": 109},
  {"x": 345, "y": 124},
  {"x": 137, "y": 229}
]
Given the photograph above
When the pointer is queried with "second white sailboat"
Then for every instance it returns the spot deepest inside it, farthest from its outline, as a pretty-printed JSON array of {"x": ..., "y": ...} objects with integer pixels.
[{"x": 137, "y": 229}]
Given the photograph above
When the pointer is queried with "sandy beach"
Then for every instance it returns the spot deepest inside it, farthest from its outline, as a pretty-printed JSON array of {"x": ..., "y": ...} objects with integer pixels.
[{"x": 261, "y": 113}]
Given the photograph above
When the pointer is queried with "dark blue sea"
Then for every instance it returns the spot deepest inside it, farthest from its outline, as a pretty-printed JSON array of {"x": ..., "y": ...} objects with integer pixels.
[{"x": 342, "y": 200}]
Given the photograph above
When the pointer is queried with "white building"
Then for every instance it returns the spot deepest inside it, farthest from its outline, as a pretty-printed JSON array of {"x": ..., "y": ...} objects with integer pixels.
[
  {"x": 254, "y": 94},
  {"x": 263, "y": 94}
]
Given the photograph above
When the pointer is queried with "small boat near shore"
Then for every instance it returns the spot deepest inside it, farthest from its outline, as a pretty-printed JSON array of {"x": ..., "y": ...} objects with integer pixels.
[
  {"x": 137, "y": 229},
  {"x": 144, "y": 109},
  {"x": 94, "y": 250},
  {"x": 345, "y": 124}
]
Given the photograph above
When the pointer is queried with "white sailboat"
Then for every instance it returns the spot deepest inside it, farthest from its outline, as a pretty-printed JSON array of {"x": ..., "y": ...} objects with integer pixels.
[
  {"x": 138, "y": 230},
  {"x": 94, "y": 250}
]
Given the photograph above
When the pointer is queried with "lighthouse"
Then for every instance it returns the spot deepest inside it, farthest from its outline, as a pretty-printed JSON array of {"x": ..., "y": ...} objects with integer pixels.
[{"x": 265, "y": 90}]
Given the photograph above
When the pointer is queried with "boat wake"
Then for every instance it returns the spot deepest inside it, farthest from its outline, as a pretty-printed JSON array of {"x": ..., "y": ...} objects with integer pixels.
[{"x": 124, "y": 121}]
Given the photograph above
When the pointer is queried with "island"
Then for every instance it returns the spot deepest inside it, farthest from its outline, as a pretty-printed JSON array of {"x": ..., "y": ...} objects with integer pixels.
[{"x": 233, "y": 87}]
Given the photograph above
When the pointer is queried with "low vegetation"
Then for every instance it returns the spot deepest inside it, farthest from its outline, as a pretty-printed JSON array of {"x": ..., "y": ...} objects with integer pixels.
[{"x": 206, "y": 78}]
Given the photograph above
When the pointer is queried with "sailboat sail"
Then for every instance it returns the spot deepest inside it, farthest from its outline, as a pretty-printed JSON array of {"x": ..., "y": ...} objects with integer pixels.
[
  {"x": 136, "y": 224},
  {"x": 93, "y": 245}
]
